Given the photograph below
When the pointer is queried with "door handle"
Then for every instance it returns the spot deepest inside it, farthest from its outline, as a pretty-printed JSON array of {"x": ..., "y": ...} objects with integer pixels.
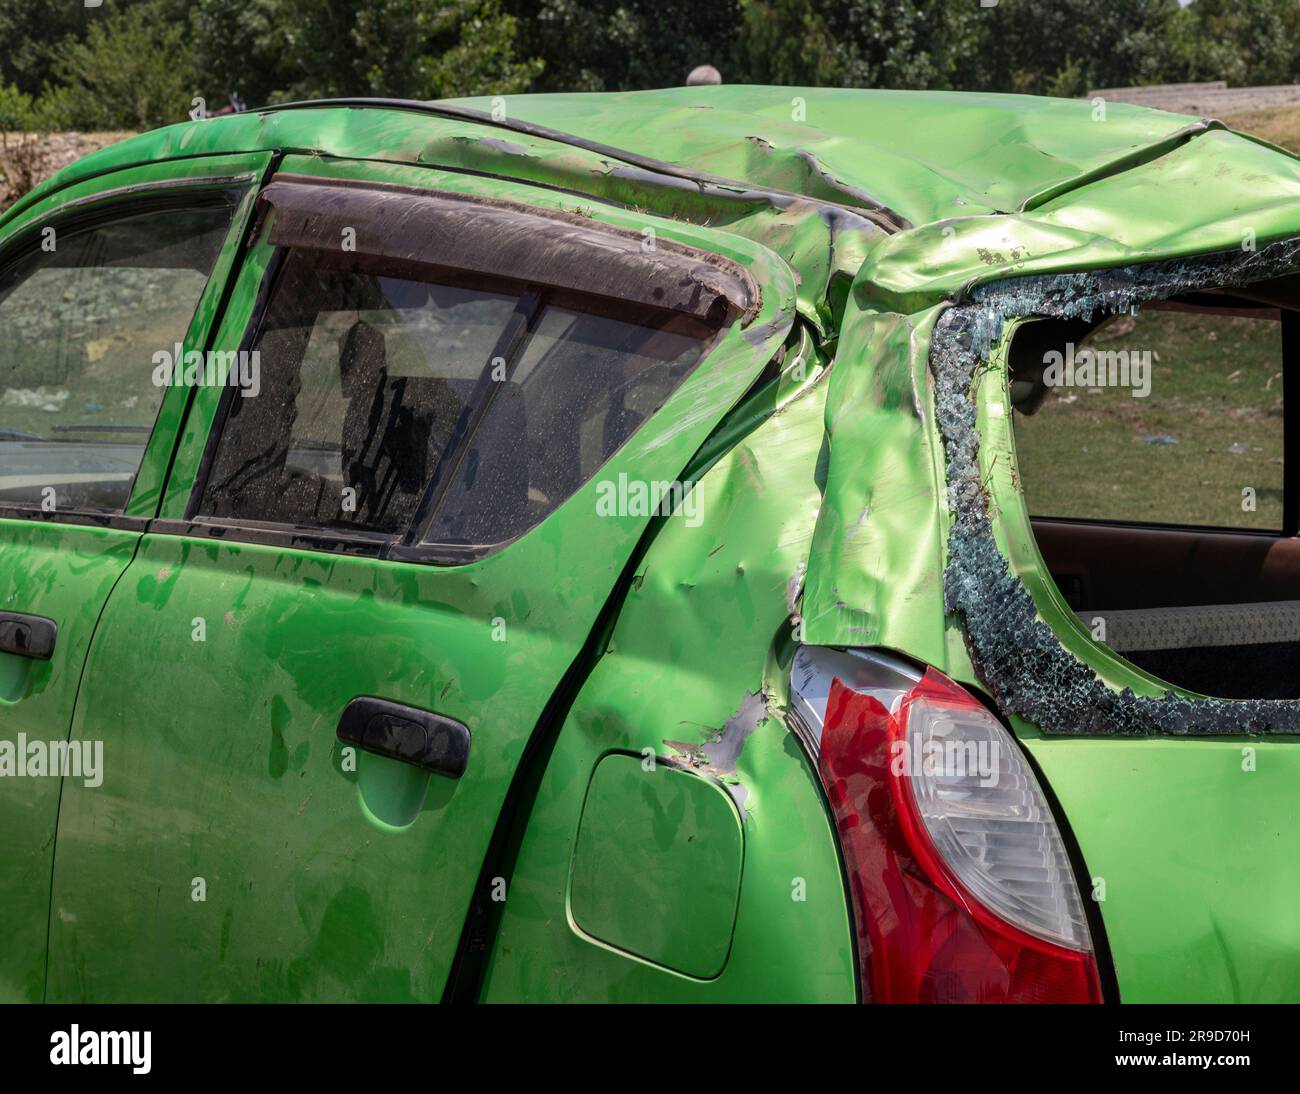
[
  {"x": 28, "y": 635},
  {"x": 427, "y": 740}
]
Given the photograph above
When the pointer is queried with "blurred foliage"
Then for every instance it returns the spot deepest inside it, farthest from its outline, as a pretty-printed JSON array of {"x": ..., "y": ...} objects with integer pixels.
[
  {"x": 1243, "y": 41},
  {"x": 132, "y": 68},
  {"x": 1067, "y": 47},
  {"x": 861, "y": 43},
  {"x": 412, "y": 49},
  {"x": 137, "y": 63},
  {"x": 605, "y": 45}
]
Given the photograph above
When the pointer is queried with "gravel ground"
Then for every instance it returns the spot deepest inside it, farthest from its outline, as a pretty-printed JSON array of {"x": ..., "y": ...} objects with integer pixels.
[
  {"x": 27, "y": 158},
  {"x": 1208, "y": 100}
]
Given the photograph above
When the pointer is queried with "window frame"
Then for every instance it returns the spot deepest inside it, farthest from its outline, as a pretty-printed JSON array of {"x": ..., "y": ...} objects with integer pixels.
[
  {"x": 407, "y": 545},
  {"x": 130, "y": 192}
]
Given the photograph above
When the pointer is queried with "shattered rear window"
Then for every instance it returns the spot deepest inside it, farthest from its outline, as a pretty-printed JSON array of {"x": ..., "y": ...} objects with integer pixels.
[{"x": 1190, "y": 620}]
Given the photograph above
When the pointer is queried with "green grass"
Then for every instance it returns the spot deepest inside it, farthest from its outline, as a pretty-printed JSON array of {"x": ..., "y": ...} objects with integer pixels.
[
  {"x": 1215, "y": 384},
  {"x": 1087, "y": 458}
]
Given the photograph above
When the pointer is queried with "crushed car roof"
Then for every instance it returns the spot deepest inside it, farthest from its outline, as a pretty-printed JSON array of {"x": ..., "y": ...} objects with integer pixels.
[
  {"x": 926, "y": 155},
  {"x": 922, "y": 194}
]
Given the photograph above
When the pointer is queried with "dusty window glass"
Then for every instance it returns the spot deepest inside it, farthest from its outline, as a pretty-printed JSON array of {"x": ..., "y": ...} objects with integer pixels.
[
  {"x": 1172, "y": 416},
  {"x": 365, "y": 380},
  {"x": 82, "y": 315},
  {"x": 585, "y": 381},
  {"x": 480, "y": 401}
]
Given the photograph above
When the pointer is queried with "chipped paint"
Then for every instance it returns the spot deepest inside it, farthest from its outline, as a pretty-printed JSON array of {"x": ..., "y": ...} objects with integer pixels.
[
  {"x": 720, "y": 750},
  {"x": 897, "y": 232}
]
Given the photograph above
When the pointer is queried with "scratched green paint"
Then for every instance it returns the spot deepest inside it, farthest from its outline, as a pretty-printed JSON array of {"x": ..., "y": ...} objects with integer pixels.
[
  {"x": 244, "y": 776},
  {"x": 841, "y": 472},
  {"x": 705, "y": 622},
  {"x": 68, "y": 571}
]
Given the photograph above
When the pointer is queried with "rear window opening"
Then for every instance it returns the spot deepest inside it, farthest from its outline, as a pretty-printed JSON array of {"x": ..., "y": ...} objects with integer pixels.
[{"x": 1157, "y": 456}]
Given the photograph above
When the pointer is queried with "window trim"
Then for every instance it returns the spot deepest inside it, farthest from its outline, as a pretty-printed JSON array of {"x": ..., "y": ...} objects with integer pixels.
[
  {"x": 559, "y": 249},
  {"x": 266, "y": 533},
  {"x": 408, "y": 544},
  {"x": 86, "y": 214}
]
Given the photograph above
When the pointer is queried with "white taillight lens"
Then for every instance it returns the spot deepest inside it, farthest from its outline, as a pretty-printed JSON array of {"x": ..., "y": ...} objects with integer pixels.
[
  {"x": 988, "y": 819},
  {"x": 958, "y": 876}
]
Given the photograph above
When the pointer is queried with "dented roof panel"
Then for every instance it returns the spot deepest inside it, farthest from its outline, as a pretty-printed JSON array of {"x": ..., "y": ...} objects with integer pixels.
[
  {"x": 924, "y": 154},
  {"x": 926, "y": 193}
]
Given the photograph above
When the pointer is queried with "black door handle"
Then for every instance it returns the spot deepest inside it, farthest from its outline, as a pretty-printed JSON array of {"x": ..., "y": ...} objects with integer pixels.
[
  {"x": 430, "y": 741},
  {"x": 28, "y": 635}
]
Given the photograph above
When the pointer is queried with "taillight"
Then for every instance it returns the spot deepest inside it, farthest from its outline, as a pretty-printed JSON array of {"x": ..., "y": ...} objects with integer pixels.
[{"x": 961, "y": 886}]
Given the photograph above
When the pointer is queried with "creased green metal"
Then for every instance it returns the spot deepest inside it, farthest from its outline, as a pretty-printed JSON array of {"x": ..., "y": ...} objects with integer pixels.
[
  {"x": 825, "y": 510},
  {"x": 705, "y": 624},
  {"x": 825, "y": 244},
  {"x": 292, "y": 636}
]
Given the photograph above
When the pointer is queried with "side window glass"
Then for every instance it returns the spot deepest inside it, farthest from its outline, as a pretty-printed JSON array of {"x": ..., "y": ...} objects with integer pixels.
[
  {"x": 82, "y": 315},
  {"x": 365, "y": 379},
  {"x": 585, "y": 381},
  {"x": 1173, "y": 416},
  {"x": 389, "y": 391}
]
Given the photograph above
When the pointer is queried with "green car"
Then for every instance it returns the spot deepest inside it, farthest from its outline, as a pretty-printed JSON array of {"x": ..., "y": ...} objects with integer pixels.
[{"x": 716, "y": 544}]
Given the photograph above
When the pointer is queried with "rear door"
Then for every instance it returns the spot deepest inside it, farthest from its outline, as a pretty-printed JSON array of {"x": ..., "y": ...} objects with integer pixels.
[
  {"x": 454, "y": 419},
  {"x": 94, "y": 281}
]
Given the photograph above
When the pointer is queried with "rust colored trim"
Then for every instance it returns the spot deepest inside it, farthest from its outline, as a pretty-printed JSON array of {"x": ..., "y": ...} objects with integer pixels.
[{"x": 552, "y": 248}]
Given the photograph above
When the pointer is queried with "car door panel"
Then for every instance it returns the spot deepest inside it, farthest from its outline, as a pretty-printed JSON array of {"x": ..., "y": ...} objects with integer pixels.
[
  {"x": 66, "y": 572},
  {"x": 59, "y": 562},
  {"x": 239, "y": 850}
]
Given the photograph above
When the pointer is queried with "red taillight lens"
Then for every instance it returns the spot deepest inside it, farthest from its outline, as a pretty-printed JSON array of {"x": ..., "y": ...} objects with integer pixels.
[{"x": 959, "y": 885}]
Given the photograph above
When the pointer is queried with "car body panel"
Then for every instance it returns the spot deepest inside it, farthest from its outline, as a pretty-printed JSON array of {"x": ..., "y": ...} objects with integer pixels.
[
  {"x": 654, "y": 835},
  {"x": 1191, "y": 849},
  {"x": 363, "y": 887},
  {"x": 888, "y": 206},
  {"x": 661, "y": 688},
  {"x": 926, "y": 155},
  {"x": 63, "y": 566},
  {"x": 65, "y": 573}
]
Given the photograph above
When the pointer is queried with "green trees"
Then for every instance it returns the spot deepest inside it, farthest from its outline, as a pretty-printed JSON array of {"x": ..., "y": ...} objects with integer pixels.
[
  {"x": 599, "y": 45},
  {"x": 1068, "y": 46},
  {"x": 134, "y": 69},
  {"x": 860, "y": 43},
  {"x": 1245, "y": 42},
  {"x": 140, "y": 63},
  {"x": 137, "y": 63},
  {"x": 397, "y": 48}
]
